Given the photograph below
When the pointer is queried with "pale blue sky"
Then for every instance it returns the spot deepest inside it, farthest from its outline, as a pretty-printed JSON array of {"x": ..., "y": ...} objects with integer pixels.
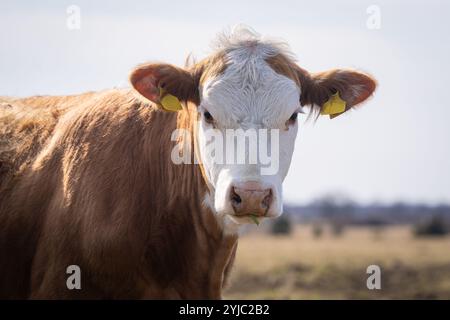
[{"x": 395, "y": 148}]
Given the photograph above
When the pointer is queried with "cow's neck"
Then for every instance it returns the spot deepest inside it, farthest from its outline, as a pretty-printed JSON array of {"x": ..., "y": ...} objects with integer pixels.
[{"x": 203, "y": 254}]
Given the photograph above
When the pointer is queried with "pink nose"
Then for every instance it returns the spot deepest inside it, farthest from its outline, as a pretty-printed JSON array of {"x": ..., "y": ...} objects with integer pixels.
[{"x": 250, "y": 198}]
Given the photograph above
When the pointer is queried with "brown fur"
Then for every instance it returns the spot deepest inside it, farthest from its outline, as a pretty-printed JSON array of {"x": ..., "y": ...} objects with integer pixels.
[{"x": 88, "y": 180}]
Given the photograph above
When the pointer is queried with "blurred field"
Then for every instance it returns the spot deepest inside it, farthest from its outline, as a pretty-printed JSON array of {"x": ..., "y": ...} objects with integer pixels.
[{"x": 301, "y": 266}]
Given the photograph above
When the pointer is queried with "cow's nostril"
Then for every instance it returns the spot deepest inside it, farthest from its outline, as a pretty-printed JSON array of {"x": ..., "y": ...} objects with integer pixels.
[{"x": 235, "y": 198}]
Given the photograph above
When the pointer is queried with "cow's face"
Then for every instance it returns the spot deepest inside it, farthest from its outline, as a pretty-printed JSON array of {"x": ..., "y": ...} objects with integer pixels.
[
  {"x": 252, "y": 111},
  {"x": 248, "y": 97}
]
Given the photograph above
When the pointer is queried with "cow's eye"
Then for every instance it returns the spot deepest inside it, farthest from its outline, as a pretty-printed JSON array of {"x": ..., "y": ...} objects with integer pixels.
[
  {"x": 292, "y": 120},
  {"x": 208, "y": 117},
  {"x": 293, "y": 117}
]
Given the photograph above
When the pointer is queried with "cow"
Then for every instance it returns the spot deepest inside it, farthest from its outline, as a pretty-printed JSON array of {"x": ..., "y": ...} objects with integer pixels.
[{"x": 89, "y": 180}]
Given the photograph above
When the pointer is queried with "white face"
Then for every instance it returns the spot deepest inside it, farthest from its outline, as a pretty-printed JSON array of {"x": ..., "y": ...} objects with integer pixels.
[{"x": 250, "y": 96}]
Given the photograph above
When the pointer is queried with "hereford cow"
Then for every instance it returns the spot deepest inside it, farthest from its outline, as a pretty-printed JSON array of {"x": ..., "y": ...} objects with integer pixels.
[{"x": 90, "y": 180}]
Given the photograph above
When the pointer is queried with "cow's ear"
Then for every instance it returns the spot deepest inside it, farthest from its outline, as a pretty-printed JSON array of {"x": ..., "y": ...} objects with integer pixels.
[
  {"x": 335, "y": 91},
  {"x": 165, "y": 85}
]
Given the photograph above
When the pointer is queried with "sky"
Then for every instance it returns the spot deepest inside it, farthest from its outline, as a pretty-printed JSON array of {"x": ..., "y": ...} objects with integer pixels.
[{"x": 395, "y": 148}]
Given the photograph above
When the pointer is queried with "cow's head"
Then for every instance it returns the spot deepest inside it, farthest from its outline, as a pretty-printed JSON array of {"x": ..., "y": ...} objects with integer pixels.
[{"x": 253, "y": 89}]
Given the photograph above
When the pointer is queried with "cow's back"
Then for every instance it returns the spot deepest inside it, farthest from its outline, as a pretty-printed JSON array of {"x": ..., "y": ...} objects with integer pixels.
[{"x": 25, "y": 126}]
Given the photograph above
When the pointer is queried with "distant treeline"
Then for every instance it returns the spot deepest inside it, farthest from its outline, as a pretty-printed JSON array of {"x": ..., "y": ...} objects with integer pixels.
[{"x": 346, "y": 212}]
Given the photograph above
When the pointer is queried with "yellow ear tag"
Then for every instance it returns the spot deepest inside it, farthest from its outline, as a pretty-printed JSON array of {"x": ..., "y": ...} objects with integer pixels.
[
  {"x": 334, "y": 106},
  {"x": 169, "y": 102}
]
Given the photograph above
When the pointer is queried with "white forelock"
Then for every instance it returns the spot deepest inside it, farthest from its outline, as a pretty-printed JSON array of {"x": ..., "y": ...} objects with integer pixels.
[{"x": 247, "y": 40}]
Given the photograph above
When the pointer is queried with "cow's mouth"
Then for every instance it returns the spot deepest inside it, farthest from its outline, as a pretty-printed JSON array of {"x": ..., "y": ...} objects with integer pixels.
[{"x": 247, "y": 218}]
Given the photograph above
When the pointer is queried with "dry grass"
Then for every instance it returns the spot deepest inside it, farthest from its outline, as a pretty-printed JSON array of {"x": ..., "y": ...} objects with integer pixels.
[{"x": 301, "y": 266}]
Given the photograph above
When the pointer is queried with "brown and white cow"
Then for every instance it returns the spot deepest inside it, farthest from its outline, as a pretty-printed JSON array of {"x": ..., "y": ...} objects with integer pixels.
[{"x": 89, "y": 180}]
